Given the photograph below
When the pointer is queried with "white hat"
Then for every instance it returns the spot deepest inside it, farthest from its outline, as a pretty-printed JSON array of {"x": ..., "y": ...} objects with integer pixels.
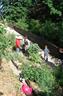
[{"x": 19, "y": 37}]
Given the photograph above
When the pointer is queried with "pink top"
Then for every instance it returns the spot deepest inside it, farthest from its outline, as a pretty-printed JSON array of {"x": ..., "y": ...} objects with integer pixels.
[{"x": 26, "y": 89}]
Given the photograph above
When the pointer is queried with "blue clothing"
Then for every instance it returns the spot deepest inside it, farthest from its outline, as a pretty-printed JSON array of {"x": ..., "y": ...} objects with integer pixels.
[
  {"x": 17, "y": 49},
  {"x": 46, "y": 51}
]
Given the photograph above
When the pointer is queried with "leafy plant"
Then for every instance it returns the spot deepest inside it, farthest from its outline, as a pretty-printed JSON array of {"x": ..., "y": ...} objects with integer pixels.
[
  {"x": 53, "y": 10},
  {"x": 35, "y": 26},
  {"x": 11, "y": 39},
  {"x": 2, "y": 30},
  {"x": 34, "y": 48},
  {"x": 33, "y": 53},
  {"x": 15, "y": 12},
  {"x": 3, "y": 44},
  {"x": 42, "y": 76},
  {"x": 59, "y": 75},
  {"x": 22, "y": 23},
  {"x": 6, "y": 42}
]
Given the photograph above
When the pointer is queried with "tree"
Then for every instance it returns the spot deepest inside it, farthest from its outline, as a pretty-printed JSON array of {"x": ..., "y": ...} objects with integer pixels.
[
  {"x": 53, "y": 10},
  {"x": 48, "y": 13}
]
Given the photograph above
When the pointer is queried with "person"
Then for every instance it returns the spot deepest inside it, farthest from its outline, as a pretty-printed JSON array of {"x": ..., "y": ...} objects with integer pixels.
[
  {"x": 61, "y": 55},
  {"x": 18, "y": 43},
  {"x": 26, "y": 44},
  {"x": 46, "y": 52},
  {"x": 26, "y": 88}
]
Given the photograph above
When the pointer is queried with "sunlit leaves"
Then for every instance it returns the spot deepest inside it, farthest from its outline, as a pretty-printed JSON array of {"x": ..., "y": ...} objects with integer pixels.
[{"x": 53, "y": 10}]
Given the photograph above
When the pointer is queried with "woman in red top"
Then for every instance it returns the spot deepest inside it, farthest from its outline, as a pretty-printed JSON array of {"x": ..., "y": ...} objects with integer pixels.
[{"x": 18, "y": 43}]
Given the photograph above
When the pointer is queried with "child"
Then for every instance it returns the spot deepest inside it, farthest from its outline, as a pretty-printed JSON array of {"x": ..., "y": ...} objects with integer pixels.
[
  {"x": 26, "y": 43},
  {"x": 61, "y": 55},
  {"x": 46, "y": 52},
  {"x": 26, "y": 89}
]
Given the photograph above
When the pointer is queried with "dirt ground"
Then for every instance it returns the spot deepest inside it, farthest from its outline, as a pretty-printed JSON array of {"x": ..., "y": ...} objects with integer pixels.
[{"x": 8, "y": 81}]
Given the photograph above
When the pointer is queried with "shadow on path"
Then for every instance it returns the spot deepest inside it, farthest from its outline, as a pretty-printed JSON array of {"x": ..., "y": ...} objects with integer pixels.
[
  {"x": 51, "y": 64},
  {"x": 1, "y": 93},
  {"x": 15, "y": 64},
  {"x": 39, "y": 93}
]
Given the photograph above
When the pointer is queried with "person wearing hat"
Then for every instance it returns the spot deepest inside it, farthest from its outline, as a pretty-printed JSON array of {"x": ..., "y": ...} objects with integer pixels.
[{"x": 18, "y": 42}]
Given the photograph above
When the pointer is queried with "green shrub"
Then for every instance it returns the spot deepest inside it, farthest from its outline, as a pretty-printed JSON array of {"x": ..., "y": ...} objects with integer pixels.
[
  {"x": 15, "y": 12},
  {"x": 11, "y": 39},
  {"x": 3, "y": 41},
  {"x": 35, "y": 58},
  {"x": 35, "y": 26},
  {"x": 22, "y": 23},
  {"x": 59, "y": 75},
  {"x": 2, "y": 30},
  {"x": 33, "y": 53},
  {"x": 6, "y": 42},
  {"x": 48, "y": 29},
  {"x": 42, "y": 76},
  {"x": 34, "y": 48},
  {"x": 3, "y": 44}
]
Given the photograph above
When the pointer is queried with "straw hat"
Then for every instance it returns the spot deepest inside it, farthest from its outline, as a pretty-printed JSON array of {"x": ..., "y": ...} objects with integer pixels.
[{"x": 19, "y": 37}]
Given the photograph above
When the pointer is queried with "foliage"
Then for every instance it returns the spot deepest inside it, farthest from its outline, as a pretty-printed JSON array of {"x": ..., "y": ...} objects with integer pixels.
[
  {"x": 11, "y": 39},
  {"x": 2, "y": 30},
  {"x": 9, "y": 55},
  {"x": 3, "y": 44},
  {"x": 26, "y": 3},
  {"x": 34, "y": 53},
  {"x": 35, "y": 26},
  {"x": 12, "y": 2},
  {"x": 48, "y": 29},
  {"x": 3, "y": 41},
  {"x": 59, "y": 74},
  {"x": 22, "y": 23},
  {"x": 42, "y": 76},
  {"x": 15, "y": 12},
  {"x": 50, "y": 12},
  {"x": 35, "y": 58},
  {"x": 53, "y": 10},
  {"x": 20, "y": 11},
  {"x": 60, "y": 34},
  {"x": 6, "y": 41},
  {"x": 34, "y": 48}
]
